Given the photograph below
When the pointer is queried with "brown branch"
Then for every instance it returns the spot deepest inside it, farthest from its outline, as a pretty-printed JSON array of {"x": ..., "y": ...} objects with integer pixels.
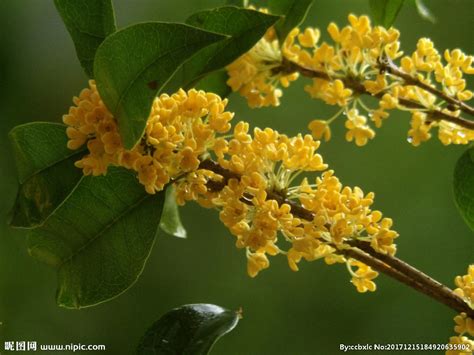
[
  {"x": 355, "y": 85},
  {"x": 436, "y": 289},
  {"x": 387, "y": 65},
  {"x": 362, "y": 251}
]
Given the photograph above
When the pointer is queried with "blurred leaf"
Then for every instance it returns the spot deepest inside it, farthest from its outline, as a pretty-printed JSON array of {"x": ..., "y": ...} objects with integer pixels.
[
  {"x": 133, "y": 65},
  {"x": 244, "y": 28},
  {"x": 424, "y": 12},
  {"x": 464, "y": 186},
  {"x": 46, "y": 171},
  {"x": 99, "y": 238},
  {"x": 170, "y": 221},
  {"x": 238, "y": 3},
  {"x": 88, "y": 23},
  {"x": 189, "y": 329},
  {"x": 384, "y": 12},
  {"x": 294, "y": 13},
  {"x": 215, "y": 82}
]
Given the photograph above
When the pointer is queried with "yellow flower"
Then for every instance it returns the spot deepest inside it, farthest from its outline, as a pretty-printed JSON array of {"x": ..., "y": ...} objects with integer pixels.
[
  {"x": 256, "y": 262},
  {"x": 358, "y": 129},
  {"x": 320, "y": 129}
]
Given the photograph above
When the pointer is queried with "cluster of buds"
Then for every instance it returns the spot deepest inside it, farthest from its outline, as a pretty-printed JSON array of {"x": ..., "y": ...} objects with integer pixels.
[
  {"x": 250, "y": 179},
  {"x": 464, "y": 324},
  {"x": 361, "y": 61},
  {"x": 179, "y": 131}
]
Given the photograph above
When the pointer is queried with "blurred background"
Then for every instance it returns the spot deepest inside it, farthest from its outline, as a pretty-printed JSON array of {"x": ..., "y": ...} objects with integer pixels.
[{"x": 308, "y": 312}]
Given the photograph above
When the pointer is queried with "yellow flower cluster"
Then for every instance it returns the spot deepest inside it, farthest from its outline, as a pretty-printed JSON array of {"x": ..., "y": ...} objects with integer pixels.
[
  {"x": 180, "y": 130},
  {"x": 256, "y": 74},
  {"x": 464, "y": 325},
  {"x": 259, "y": 204},
  {"x": 359, "y": 62},
  {"x": 250, "y": 181}
]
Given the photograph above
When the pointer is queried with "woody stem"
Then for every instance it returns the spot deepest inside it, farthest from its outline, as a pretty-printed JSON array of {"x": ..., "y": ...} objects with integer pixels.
[
  {"x": 355, "y": 85},
  {"x": 359, "y": 250}
]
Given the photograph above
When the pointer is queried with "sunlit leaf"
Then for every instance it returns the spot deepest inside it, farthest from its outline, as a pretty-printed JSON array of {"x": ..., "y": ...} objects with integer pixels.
[
  {"x": 132, "y": 66},
  {"x": 243, "y": 28},
  {"x": 294, "y": 13},
  {"x": 385, "y": 12},
  {"x": 88, "y": 23},
  {"x": 170, "y": 220}
]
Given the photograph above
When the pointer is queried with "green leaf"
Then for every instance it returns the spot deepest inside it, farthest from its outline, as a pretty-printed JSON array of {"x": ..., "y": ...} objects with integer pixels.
[
  {"x": 170, "y": 221},
  {"x": 464, "y": 186},
  {"x": 424, "y": 11},
  {"x": 384, "y": 12},
  {"x": 243, "y": 28},
  {"x": 46, "y": 171},
  {"x": 294, "y": 13},
  {"x": 88, "y": 23},
  {"x": 99, "y": 238},
  {"x": 190, "y": 329},
  {"x": 132, "y": 66},
  {"x": 215, "y": 82},
  {"x": 238, "y": 3}
]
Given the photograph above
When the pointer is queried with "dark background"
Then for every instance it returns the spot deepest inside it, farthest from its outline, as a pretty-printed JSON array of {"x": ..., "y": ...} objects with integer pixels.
[{"x": 308, "y": 312}]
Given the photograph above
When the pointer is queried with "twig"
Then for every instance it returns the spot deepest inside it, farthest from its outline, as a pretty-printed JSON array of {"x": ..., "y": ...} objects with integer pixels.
[
  {"x": 386, "y": 64},
  {"x": 362, "y": 251},
  {"x": 355, "y": 85}
]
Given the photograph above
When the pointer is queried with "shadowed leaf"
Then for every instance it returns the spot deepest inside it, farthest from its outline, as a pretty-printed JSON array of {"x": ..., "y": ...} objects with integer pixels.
[
  {"x": 99, "y": 238},
  {"x": 464, "y": 186},
  {"x": 189, "y": 329},
  {"x": 46, "y": 171}
]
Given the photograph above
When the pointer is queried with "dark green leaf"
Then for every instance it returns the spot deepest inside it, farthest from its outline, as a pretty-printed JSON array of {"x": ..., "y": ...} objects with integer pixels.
[
  {"x": 88, "y": 23},
  {"x": 243, "y": 27},
  {"x": 464, "y": 186},
  {"x": 46, "y": 171},
  {"x": 190, "y": 329},
  {"x": 99, "y": 238},
  {"x": 170, "y": 221},
  {"x": 424, "y": 11},
  {"x": 133, "y": 65},
  {"x": 215, "y": 82},
  {"x": 384, "y": 12},
  {"x": 294, "y": 13}
]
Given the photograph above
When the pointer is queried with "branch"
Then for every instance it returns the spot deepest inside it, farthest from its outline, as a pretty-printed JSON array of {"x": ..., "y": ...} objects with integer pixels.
[
  {"x": 362, "y": 251},
  {"x": 386, "y": 64},
  {"x": 355, "y": 85}
]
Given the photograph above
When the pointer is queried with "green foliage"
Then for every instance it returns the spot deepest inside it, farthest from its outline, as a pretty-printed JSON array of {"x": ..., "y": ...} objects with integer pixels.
[
  {"x": 384, "y": 12},
  {"x": 133, "y": 65},
  {"x": 464, "y": 186},
  {"x": 88, "y": 23},
  {"x": 294, "y": 13},
  {"x": 189, "y": 329},
  {"x": 243, "y": 29},
  {"x": 99, "y": 238},
  {"x": 238, "y": 3},
  {"x": 170, "y": 221},
  {"x": 46, "y": 171}
]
